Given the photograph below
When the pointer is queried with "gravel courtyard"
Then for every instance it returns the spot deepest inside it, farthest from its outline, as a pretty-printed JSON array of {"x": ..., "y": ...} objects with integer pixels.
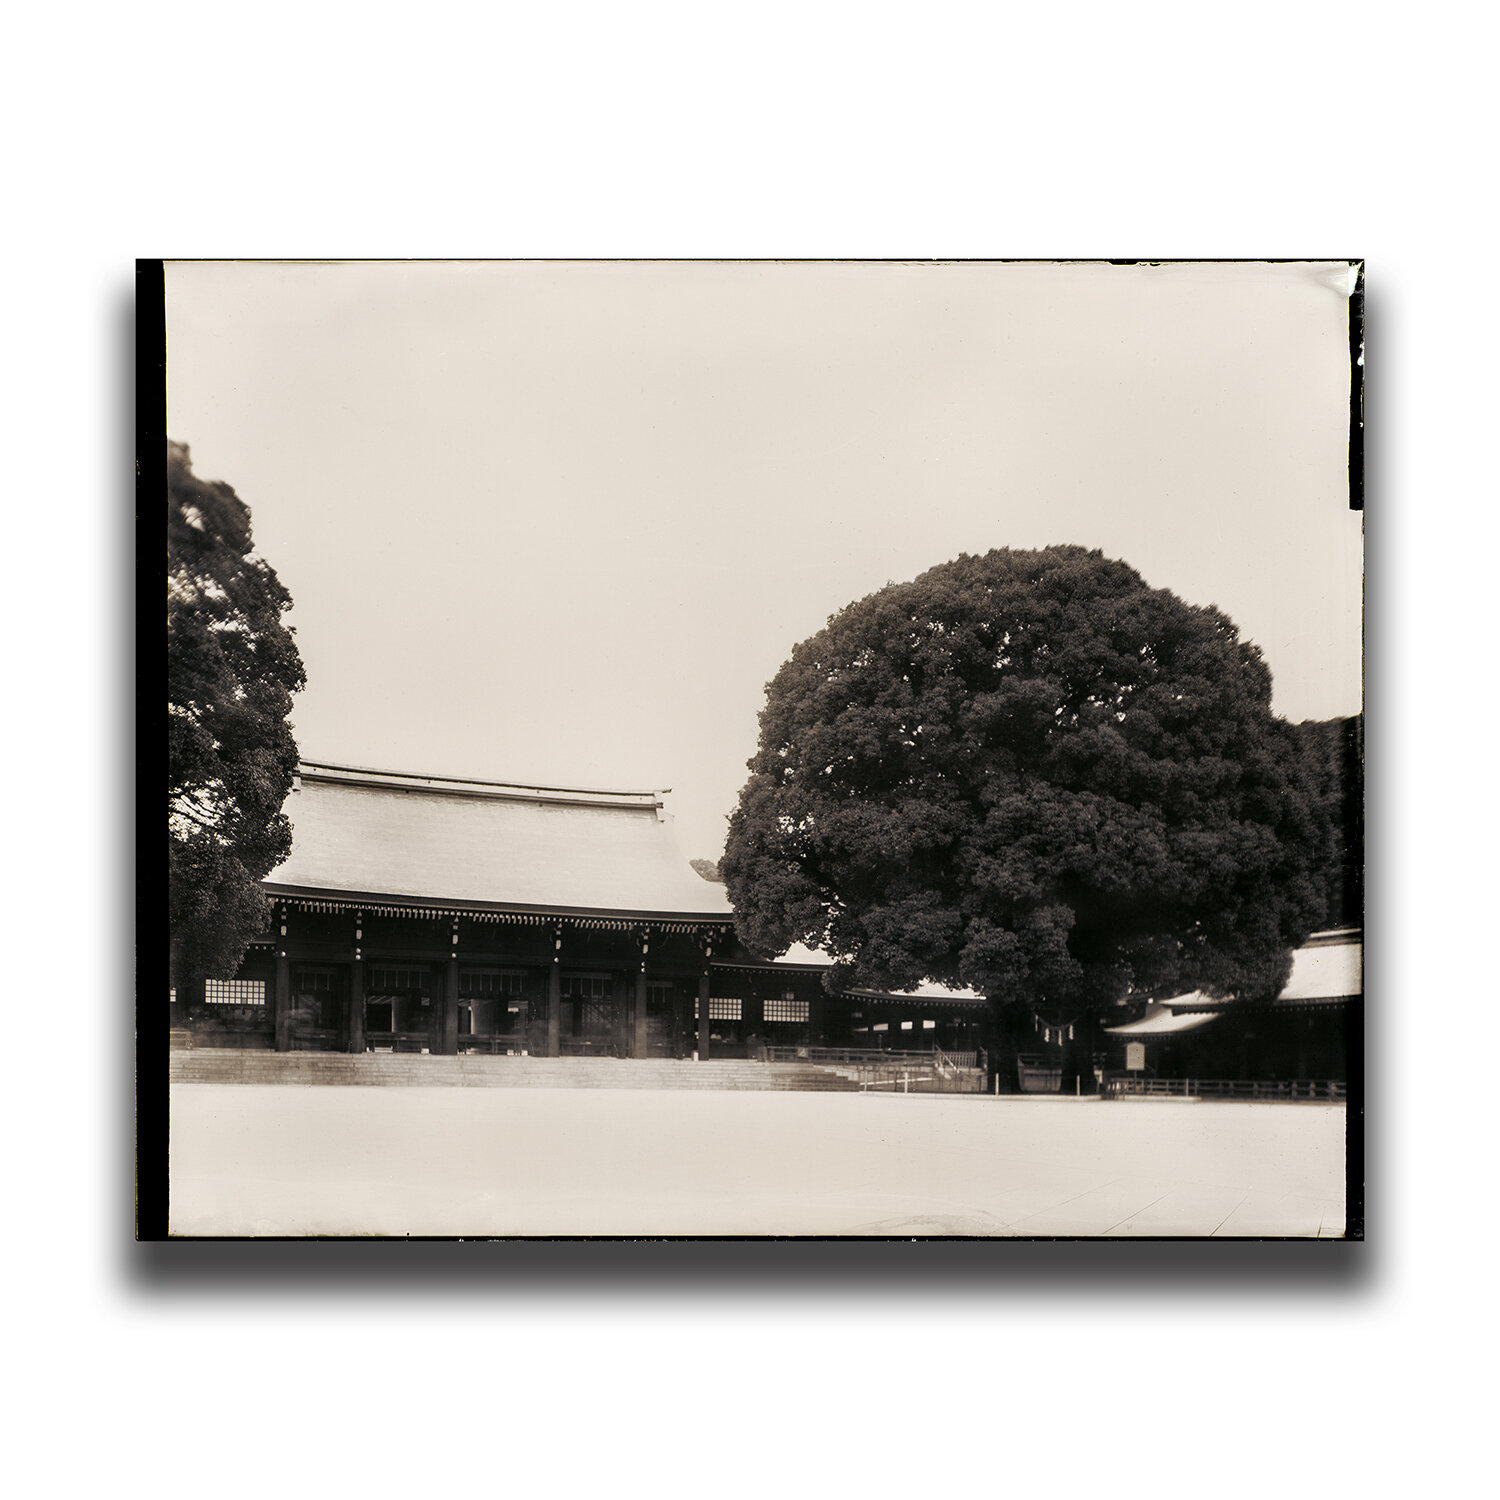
[{"x": 250, "y": 1160}]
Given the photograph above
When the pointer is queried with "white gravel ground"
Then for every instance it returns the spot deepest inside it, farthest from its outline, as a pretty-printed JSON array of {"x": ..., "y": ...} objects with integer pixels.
[{"x": 252, "y": 1160}]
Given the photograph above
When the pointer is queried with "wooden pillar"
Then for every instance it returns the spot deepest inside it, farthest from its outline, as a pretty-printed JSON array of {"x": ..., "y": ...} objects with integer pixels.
[
  {"x": 703, "y": 1028},
  {"x": 356, "y": 1028},
  {"x": 621, "y": 994},
  {"x": 281, "y": 1000},
  {"x": 445, "y": 1029},
  {"x": 554, "y": 997},
  {"x": 753, "y": 1010},
  {"x": 357, "y": 1005},
  {"x": 640, "y": 1046},
  {"x": 283, "y": 1014},
  {"x": 448, "y": 1039}
]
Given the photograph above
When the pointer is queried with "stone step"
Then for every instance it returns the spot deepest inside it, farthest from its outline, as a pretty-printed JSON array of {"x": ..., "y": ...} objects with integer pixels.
[{"x": 235, "y": 1066}]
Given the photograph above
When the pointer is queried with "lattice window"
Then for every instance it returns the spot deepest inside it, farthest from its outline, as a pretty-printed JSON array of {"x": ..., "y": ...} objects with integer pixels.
[
  {"x": 313, "y": 981},
  {"x": 489, "y": 984},
  {"x": 584, "y": 987},
  {"x": 929, "y": 1025},
  {"x": 234, "y": 991},
  {"x": 721, "y": 1009},
  {"x": 388, "y": 980},
  {"x": 787, "y": 1010}
]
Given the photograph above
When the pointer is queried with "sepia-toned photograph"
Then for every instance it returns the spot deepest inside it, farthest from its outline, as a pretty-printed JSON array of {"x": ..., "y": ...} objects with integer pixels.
[{"x": 764, "y": 749}]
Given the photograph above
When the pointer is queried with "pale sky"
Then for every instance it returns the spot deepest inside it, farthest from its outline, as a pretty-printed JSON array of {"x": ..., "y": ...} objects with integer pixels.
[{"x": 562, "y": 522}]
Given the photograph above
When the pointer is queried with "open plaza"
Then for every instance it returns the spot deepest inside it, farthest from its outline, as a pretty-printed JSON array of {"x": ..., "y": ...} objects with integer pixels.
[{"x": 287, "y": 1160}]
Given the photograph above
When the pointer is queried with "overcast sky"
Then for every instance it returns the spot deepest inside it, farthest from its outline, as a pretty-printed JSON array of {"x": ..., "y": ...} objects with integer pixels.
[{"x": 561, "y": 523}]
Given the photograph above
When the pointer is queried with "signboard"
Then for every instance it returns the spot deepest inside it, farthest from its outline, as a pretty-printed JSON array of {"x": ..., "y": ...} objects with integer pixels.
[{"x": 1135, "y": 1057}]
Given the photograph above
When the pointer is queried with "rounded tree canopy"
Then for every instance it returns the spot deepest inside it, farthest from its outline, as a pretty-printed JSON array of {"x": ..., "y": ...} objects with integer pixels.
[
  {"x": 1031, "y": 773},
  {"x": 232, "y": 668}
]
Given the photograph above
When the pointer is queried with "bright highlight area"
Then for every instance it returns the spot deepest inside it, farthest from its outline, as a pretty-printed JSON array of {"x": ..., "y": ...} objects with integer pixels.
[{"x": 278, "y": 1160}]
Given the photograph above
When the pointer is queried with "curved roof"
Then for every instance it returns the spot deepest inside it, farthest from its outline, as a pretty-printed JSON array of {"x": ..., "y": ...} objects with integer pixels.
[
  {"x": 489, "y": 844},
  {"x": 1160, "y": 1020},
  {"x": 1330, "y": 967},
  {"x": 799, "y": 957}
]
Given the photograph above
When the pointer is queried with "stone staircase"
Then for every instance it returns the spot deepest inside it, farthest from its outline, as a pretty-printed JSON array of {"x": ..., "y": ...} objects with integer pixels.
[
  {"x": 921, "y": 1078},
  {"x": 470, "y": 1070}
]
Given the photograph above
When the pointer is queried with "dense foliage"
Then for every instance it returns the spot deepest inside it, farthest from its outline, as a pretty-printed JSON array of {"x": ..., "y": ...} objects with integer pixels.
[
  {"x": 1335, "y": 753},
  {"x": 232, "y": 667},
  {"x": 1030, "y": 773}
]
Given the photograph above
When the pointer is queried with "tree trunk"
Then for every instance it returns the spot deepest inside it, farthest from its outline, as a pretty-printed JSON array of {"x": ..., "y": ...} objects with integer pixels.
[
  {"x": 1004, "y": 1051},
  {"x": 1088, "y": 1041},
  {"x": 1072, "y": 1082},
  {"x": 1078, "y": 1058}
]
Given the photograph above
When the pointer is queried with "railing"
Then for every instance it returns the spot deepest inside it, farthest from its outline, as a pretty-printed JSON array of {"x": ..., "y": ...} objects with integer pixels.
[
  {"x": 398, "y": 1041},
  {"x": 950, "y": 1064},
  {"x": 517, "y": 1041},
  {"x": 584, "y": 1046},
  {"x": 903, "y": 1081},
  {"x": 318, "y": 1039},
  {"x": 1128, "y": 1086},
  {"x": 864, "y": 1056}
]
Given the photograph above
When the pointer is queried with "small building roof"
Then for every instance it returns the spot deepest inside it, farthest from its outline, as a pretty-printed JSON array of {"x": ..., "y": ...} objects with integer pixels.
[
  {"x": 1326, "y": 970},
  {"x": 1160, "y": 1021},
  {"x": 489, "y": 844},
  {"x": 800, "y": 958},
  {"x": 924, "y": 993}
]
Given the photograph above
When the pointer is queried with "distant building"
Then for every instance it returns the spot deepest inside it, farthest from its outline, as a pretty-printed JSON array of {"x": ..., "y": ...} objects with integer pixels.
[{"x": 1303, "y": 1034}]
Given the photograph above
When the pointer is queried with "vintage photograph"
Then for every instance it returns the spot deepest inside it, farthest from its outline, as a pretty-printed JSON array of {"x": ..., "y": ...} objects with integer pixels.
[{"x": 765, "y": 748}]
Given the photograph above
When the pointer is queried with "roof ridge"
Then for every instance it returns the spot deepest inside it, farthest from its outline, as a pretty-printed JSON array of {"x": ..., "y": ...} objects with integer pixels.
[{"x": 437, "y": 781}]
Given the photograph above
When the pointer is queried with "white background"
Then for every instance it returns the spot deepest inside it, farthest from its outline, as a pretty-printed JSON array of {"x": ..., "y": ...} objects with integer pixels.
[{"x": 775, "y": 130}]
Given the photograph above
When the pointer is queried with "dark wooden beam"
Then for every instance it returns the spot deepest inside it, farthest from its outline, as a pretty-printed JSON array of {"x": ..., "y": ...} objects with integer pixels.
[
  {"x": 357, "y": 1005},
  {"x": 448, "y": 1042},
  {"x": 703, "y": 1027},
  {"x": 282, "y": 1019},
  {"x": 281, "y": 1015},
  {"x": 554, "y": 996},
  {"x": 642, "y": 1045}
]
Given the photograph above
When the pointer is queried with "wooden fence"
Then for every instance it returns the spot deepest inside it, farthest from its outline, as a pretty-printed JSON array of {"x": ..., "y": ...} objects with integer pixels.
[{"x": 1133, "y": 1086}]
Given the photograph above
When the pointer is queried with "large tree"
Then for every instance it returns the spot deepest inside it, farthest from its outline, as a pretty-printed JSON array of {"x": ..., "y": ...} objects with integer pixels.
[
  {"x": 1335, "y": 751},
  {"x": 1033, "y": 774},
  {"x": 232, "y": 667}
]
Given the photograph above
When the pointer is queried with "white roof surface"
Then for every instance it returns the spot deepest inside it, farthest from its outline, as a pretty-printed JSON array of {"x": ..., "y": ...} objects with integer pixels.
[
  {"x": 1160, "y": 1021},
  {"x": 927, "y": 991},
  {"x": 800, "y": 953},
  {"x": 1326, "y": 971},
  {"x": 1328, "y": 968},
  {"x": 444, "y": 839}
]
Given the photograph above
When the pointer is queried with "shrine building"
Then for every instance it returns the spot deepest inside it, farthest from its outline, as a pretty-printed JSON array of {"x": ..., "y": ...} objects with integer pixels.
[
  {"x": 438, "y": 914},
  {"x": 1304, "y": 1033}
]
